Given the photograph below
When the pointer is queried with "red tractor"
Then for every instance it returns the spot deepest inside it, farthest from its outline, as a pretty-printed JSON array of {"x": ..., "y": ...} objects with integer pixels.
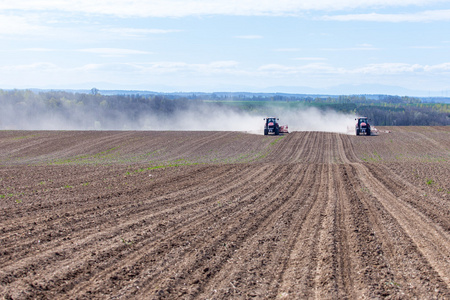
[
  {"x": 271, "y": 126},
  {"x": 362, "y": 126}
]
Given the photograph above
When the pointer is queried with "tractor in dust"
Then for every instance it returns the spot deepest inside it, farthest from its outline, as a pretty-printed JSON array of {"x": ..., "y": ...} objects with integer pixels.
[
  {"x": 362, "y": 126},
  {"x": 271, "y": 125}
]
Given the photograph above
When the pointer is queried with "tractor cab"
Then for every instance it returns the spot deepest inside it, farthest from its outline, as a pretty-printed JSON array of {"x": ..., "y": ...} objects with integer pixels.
[
  {"x": 271, "y": 126},
  {"x": 362, "y": 126},
  {"x": 363, "y": 121}
]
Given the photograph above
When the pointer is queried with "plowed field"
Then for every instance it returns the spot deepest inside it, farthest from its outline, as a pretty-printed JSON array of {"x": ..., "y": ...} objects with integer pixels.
[{"x": 225, "y": 215}]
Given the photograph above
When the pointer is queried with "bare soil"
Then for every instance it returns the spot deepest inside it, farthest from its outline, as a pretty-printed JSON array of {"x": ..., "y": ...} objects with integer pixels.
[{"x": 220, "y": 215}]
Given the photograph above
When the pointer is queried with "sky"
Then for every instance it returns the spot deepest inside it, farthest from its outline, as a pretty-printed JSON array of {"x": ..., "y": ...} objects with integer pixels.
[{"x": 339, "y": 46}]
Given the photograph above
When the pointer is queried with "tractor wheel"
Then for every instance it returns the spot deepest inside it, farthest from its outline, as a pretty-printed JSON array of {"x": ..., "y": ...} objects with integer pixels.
[
  {"x": 357, "y": 131},
  {"x": 266, "y": 131},
  {"x": 277, "y": 131},
  {"x": 368, "y": 131}
]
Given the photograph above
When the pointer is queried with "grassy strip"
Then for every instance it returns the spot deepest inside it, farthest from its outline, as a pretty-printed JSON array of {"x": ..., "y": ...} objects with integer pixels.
[
  {"x": 17, "y": 200},
  {"x": 276, "y": 141},
  {"x": 84, "y": 158},
  {"x": 263, "y": 154},
  {"x": 25, "y": 137}
]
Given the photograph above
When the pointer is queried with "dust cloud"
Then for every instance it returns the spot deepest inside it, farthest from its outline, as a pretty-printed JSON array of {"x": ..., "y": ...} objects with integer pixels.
[
  {"x": 207, "y": 118},
  {"x": 194, "y": 117},
  {"x": 312, "y": 119},
  {"x": 300, "y": 119}
]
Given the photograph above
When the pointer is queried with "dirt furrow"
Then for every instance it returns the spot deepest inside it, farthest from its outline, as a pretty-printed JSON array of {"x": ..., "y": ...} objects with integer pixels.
[
  {"x": 92, "y": 237},
  {"x": 37, "y": 227},
  {"x": 300, "y": 275},
  {"x": 289, "y": 149},
  {"x": 345, "y": 149},
  {"x": 334, "y": 277},
  {"x": 405, "y": 264},
  {"x": 54, "y": 147},
  {"x": 342, "y": 258},
  {"x": 220, "y": 242},
  {"x": 310, "y": 154},
  {"x": 174, "y": 233},
  {"x": 434, "y": 207},
  {"x": 369, "y": 270},
  {"x": 430, "y": 240},
  {"x": 189, "y": 148},
  {"x": 266, "y": 251},
  {"x": 325, "y": 273},
  {"x": 242, "y": 216}
]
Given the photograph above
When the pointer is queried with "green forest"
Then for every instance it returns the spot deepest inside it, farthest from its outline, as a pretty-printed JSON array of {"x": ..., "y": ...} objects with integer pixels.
[{"x": 88, "y": 109}]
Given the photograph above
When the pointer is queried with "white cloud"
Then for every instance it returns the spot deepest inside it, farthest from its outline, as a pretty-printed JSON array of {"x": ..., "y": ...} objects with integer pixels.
[
  {"x": 233, "y": 67},
  {"x": 139, "y": 32},
  {"x": 38, "y": 66},
  {"x": 371, "y": 69},
  {"x": 162, "y": 68},
  {"x": 113, "y": 52},
  {"x": 219, "y": 75},
  {"x": 388, "y": 68},
  {"x": 207, "y": 68},
  {"x": 425, "y": 16},
  {"x": 401, "y": 68},
  {"x": 321, "y": 68},
  {"x": 445, "y": 67},
  {"x": 109, "y": 68},
  {"x": 277, "y": 69},
  {"x": 19, "y": 25},
  {"x": 180, "y": 8}
]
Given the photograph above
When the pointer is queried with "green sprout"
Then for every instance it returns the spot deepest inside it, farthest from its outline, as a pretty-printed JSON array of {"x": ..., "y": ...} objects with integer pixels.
[{"x": 128, "y": 243}]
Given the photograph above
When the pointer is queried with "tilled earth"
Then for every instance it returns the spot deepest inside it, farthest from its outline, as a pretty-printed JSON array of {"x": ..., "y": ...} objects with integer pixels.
[{"x": 220, "y": 215}]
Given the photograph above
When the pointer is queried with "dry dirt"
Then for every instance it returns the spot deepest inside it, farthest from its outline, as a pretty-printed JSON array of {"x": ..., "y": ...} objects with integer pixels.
[{"x": 220, "y": 215}]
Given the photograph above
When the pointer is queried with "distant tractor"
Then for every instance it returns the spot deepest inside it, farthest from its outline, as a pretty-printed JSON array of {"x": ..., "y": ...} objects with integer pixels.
[
  {"x": 362, "y": 126},
  {"x": 271, "y": 126}
]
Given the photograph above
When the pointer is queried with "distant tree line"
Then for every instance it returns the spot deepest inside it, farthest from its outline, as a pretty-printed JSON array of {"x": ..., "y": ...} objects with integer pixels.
[
  {"x": 405, "y": 116},
  {"x": 88, "y": 110}
]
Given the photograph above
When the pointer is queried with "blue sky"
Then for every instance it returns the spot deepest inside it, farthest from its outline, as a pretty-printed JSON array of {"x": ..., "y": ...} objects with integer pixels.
[{"x": 226, "y": 45}]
